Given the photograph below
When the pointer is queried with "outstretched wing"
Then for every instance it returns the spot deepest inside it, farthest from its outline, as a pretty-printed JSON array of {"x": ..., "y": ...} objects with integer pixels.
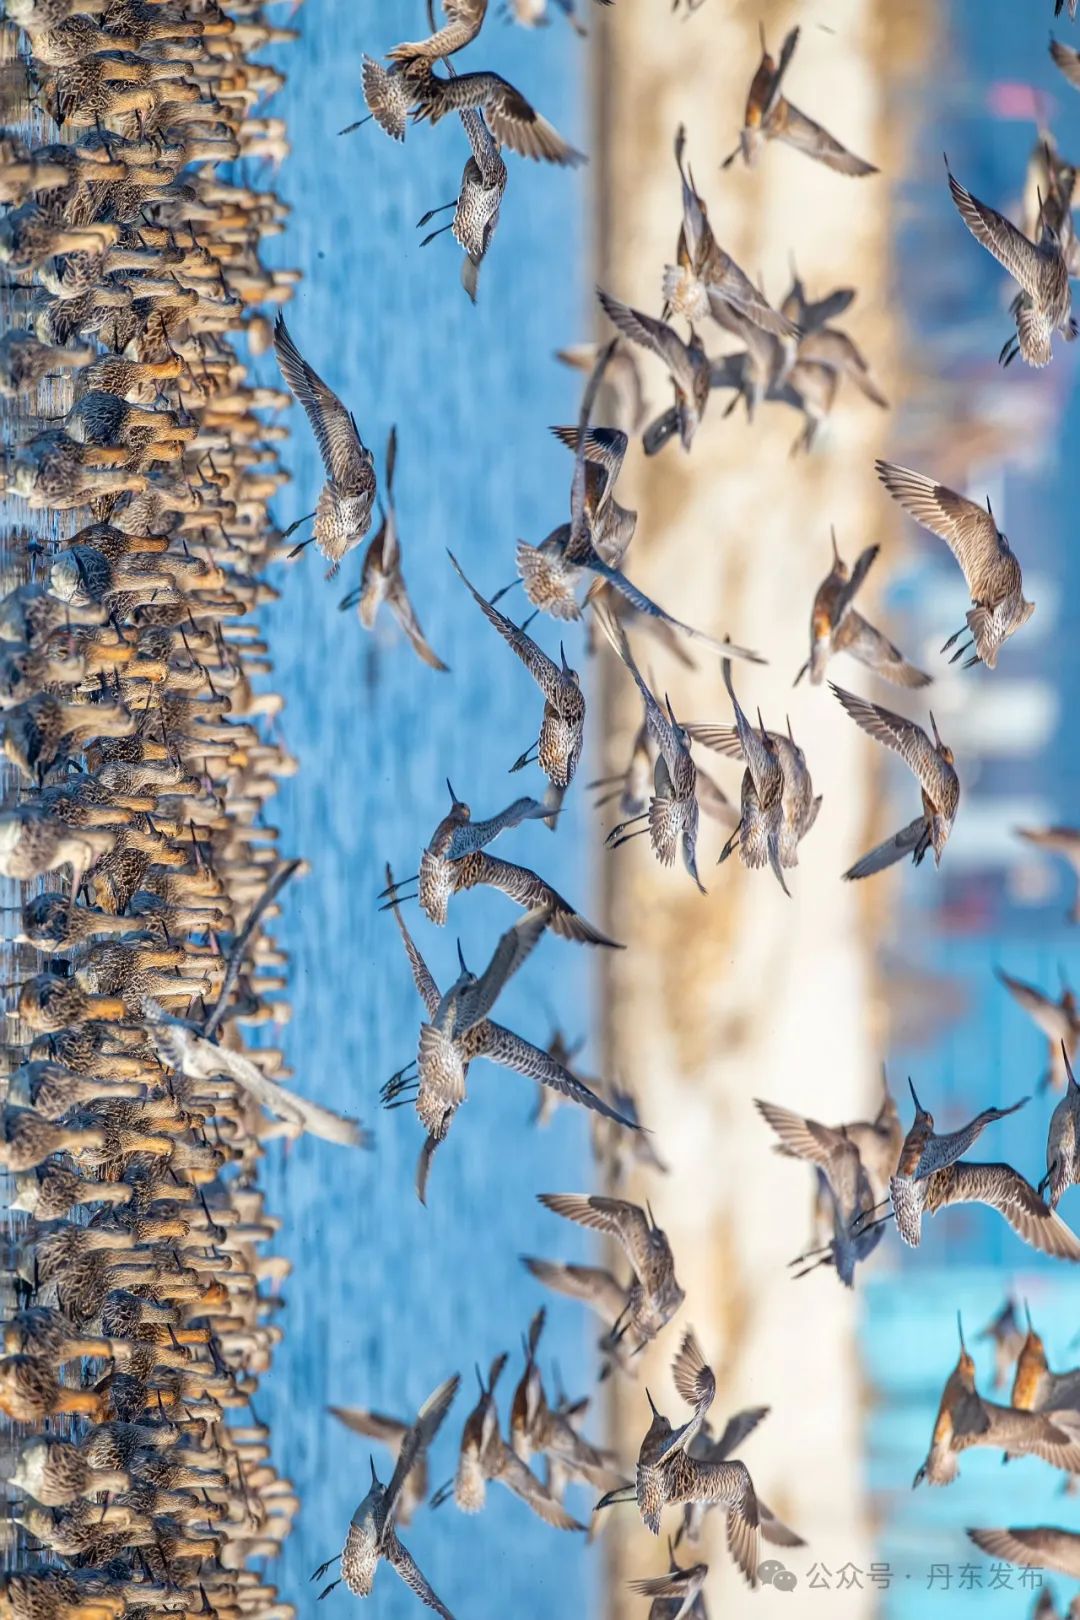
[
  {"x": 626, "y": 1222},
  {"x": 539, "y": 665},
  {"x": 515, "y": 123},
  {"x": 471, "y": 836},
  {"x": 645, "y": 604},
  {"x": 417, "y": 1439},
  {"x": 649, "y": 333},
  {"x": 591, "y": 1284},
  {"x": 520, "y": 1479},
  {"x": 904, "y": 737},
  {"x": 788, "y": 124},
  {"x": 402, "y": 609},
  {"x": 968, "y": 530},
  {"x": 999, "y": 236},
  {"x": 1007, "y": 1191},
  {"x": 372, "y": 1425},
  {"x": 1051, "y": 1018},
  {"x": 1040, "y": 1547},
  {"x": 503, "y": 1046},
  {"x": 426, "y": 987},
  {"x": 335, "y": 432},
  {"x": 528, "y": 890},
  {"x": 897, "y": 848},
  {"x": 402, "y": 1562},
  {"x": 865, "y": 642},
  {"x": 513, "y": 948},
  {"x": 805, "y": 1138}
]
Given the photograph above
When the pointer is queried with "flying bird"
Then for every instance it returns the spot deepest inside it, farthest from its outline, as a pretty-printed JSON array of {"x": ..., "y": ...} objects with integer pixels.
[
  {"x": 836, "y": 626},
  {"x": 769, "y": 116}
]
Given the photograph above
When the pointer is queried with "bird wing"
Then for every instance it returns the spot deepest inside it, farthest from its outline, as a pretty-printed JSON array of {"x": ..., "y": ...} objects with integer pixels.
[
  {"x": 762, "y": 764},
  {"x": 904, "y": 737},
  {"x": 1040, "y": 1547},
  {"x": 517, "y": 1477},
  {"x": 660, "y": 727},
  {"x": 625, "y": 1222},
  {"x": 901, "y": 844},
  {"x": 405, "y": 614},
  {"x": 476, "y": 835},
  {"x": 514, "y": 946},
  {"x": 946, "y": 1148},
  {"x": 544, "y": 672},
  {"x": 1051, "y": 1018},
  {"x": 775, "y": 1531},
  {"x": 604, "y": 448},
  {"x": 737, "y": 1428},
  {"x": 645, "y": 604},
  {"x": 1068, "y": 60},
  {"x": 1061, "y": 840},
  {"x": 463, "y": 22},
  {"x": 515, "y": 123},
  {"x": 523, "y": 885},
  {"x": 999, "y": 236},
  {"x": 417, "y": 1439},
  {"x": 403, "y": 1563},
  {"x": 788, "y": 124},
  {"x": 1005, "y": 1190},
  {"x": 968, "y": 530},
  {"x": 650, "y": 333},
  {"x": 513, "y": 1052},
  {"x": 373, "y": 1425},
  {"x": 591, "y": 1284},
  {"x": 805, "y": 1138},
  {"x": 857, "y": 636},
  {"x": 694, "y": 1378},
  {"x": 335, "y": 432},
  {"x": 729, "y": 281},
  {"x": 426, "y": 987},
  {"x": 721, "y": 739}
]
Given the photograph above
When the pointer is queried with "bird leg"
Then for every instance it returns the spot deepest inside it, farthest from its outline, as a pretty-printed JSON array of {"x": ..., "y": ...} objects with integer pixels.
[
  {"x": 398, "y": 884},
  {"x": 1009, "y": 351},
  {"x": 731, "y": 845},
  {"x": 424, "y": 218},
  {"x": 442, "y": 1494},
  {"x": 866, "y": 1213},
  {"x": 431, "y": 235},
  {"x": 322, "y": 1569},
  {"x": 500, "y": 594},
  {"x": 615, "y": 832},
  {"x": 360, "y": 122},
  {"x": 827, "y": 1260},
  {"x": 527, "y": 758},
  {"x": 293, "y": 528},
  {"x": 397, "y": 1083}
]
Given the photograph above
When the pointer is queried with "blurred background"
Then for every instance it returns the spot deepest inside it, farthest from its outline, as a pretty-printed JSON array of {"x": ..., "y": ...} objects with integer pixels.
[{"x": 743, "y": 993}]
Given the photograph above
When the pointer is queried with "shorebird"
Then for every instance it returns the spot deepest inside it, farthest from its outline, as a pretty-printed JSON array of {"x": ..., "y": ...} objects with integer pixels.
[
  {"x": 708, "y": 1447},
  {"x": 454, "y": 861},
  {"x": 484, "y": 1455},
  {"x": 672, "y": 816},
  {"x": 535, "y": 1425},
  {"x": 965, "y": 1419},
  {"x": 343, "y": 514},
  {"x": 391, "y": 1432},
  {"x": 1001, "y": 1187},
  {"x": 595, "y": 1287},
  {"x": 932, "y": 765},
  {"x": 512, "y": 120},
  {"x": 371, "y": 1534},
  {"x": 769, "y": 116},
  {"x": 24, "y": 361},
  {"x": 836, "y": 626},
  {"x": 704, "y": 276},
  {"x": 677, "y": 1595},
  {"x": 989, "y": 566},
  {"x": 562, "y": 730},
  {"x": 778, "y": 804},
  {"x": 1033, "y": 1547},
  {"x": 381, "y": 579},
  {"x": 1058, "y": 1020},
  {"x": 851, "y": 1194},
  {"x": 479, "y": 199},
  {"x": 460, "y": 1031},
  {"x": 1063, "y": 1141},
  {"x": 687, "y": 363},
  {"x": 666, "y": 1473},
  {"x": 1064, "y": 841},
  {"x": 654, "y": 1296},
  {"x": 464, "y": 19},
  {"x": 923, "y": 1153},
  {"x": 1037, "y": 1389},
  {"x": 1043, "y": 305},
  {"x": 1008, "y": 1339}
]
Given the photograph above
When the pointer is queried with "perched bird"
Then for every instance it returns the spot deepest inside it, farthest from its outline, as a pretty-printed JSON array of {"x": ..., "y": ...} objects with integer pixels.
[
  {"x": 343, "y": 515},
  {"x": 666, "y": 1473},
  {"x": 1008, "y": 1339},
  {"x": 672, "y": 815},
  {"x": 849, "y": 1187},
  {"x": 1058, "y": 1020},
  {"x": 1063, "y": 841},
  {"x": 371, "y": 1534},
  {"x": 484, "y": 1455},
  {"x": 932, "y": 765},
  {"x": 461, "y": 1031},
  {"x": 769, "y": 116},
  {"x": 965, "y": 1419},
  {"x": 562, "y": 730},
  {"x": 1063, "y": 1141},
  {"x": 454, "y": 861},
  {"x": 381, "y": 579},
  {"x": 655, "y": 1295},
  {"x": 989, "y": 565},
  {"x": 778, "y": 804},
  {"x": 1043, "y": 305},
  {"x": 924, "y": 1151},
  {"x": 836, "y": 626}
]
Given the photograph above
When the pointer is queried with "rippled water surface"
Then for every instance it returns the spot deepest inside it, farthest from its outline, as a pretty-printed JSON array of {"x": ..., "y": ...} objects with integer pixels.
[{"x": 387, "y": 1297}]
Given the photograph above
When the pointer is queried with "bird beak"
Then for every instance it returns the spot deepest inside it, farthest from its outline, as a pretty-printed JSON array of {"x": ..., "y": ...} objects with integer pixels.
[
  {"x": 960, "y": 1330},
  {"x": 374, "y": 1475},
  {"x": 914, "y": 1097},
  {"x": 450, "y": 790},
  {"x": 479, "y": 1378},
  {"x": 835, "y": 552},
  {"x": 937, "y": 734},
  {"x": 461, "y": 958},
  {"x": 652, "y": 1404}
]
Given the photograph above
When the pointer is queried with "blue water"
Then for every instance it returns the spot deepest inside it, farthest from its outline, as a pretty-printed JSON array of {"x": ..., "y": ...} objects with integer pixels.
[
  {"x": 389, "y": 1297},
  {"x": 963, "y": 921}
]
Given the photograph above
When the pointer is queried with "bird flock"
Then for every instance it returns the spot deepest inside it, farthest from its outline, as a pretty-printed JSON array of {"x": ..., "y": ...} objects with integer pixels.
[{"x": 135, "y": 1113}]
